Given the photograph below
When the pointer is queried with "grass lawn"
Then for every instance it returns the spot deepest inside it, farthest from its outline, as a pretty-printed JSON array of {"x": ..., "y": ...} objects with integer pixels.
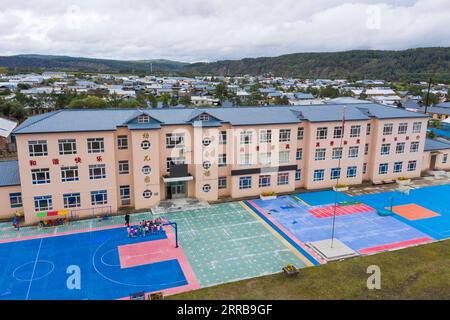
[{"x": 414, "y": 273}]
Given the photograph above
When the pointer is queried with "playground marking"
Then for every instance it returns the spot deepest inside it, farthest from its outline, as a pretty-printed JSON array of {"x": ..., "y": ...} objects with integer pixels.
[
  {"x": 414, "y": 212},
  {"x": 395, "y": 245},
  {"x": 328, "y": 211},
  {"x": 302, "y": 201},
  {"x": 34, "y": 269},
  {"x": 307, "y": 261}
]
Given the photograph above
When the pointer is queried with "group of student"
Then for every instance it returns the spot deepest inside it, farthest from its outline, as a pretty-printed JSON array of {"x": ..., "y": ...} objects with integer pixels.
[{"x": 144, "y": 227}]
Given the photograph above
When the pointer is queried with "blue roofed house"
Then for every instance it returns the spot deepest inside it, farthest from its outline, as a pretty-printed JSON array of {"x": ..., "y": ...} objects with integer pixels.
[{"x": 10, "y": 189}]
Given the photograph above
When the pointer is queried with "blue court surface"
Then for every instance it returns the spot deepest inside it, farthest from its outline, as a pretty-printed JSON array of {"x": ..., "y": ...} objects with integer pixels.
[
  {"x": 37, "y": 269},
  {"x": 435, "y": 198},
  {"x": 358, "y": 231}
]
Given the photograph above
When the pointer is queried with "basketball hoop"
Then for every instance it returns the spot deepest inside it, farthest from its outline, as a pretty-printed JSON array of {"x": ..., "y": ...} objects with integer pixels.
[{"x": 405, "y": 190}]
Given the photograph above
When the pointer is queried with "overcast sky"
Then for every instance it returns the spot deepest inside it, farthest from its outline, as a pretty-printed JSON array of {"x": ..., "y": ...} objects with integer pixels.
[{"x": 207, "y": 30}]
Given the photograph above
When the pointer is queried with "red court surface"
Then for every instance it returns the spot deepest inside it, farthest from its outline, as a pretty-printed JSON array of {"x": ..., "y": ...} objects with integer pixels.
[
  {"x": 396, "y": 245},
  {"x": 156, "y": 251},
  {"x": 414, "y": 212},
  {"x": 328, "y": 211}
]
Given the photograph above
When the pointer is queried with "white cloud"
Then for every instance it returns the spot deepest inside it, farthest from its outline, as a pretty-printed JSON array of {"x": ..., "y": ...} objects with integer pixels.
[{"x": 198, "y": 30}]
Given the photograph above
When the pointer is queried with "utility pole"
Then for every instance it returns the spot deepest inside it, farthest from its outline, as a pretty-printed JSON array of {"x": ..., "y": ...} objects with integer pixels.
[{"x": 427, "y": 101}]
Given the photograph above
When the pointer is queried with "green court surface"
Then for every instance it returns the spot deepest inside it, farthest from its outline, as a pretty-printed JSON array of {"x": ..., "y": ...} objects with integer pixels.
[{"x": 225, "y": 243}]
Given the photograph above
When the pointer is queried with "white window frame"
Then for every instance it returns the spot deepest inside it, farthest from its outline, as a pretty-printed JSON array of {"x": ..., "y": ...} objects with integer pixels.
[
  {"x": 122, "y": 142},
  {"x": 96, "y": 145},
  {"x": 265, "y": 136},
  {"x": 400, "y": 147},
  {"x": 264, "y": 180},
  {"x": 412, "y": 165},
  {"x": 403, "y": 128},
  {"x": 298, "y": 175},
  {"x": 321, "y": 133},
  {"x": 124, "y": 167},
  {"x": 284, "y": 135},
  {"x": 245, "y": 182},
  {"x": 95, "y": 201},
  {"x": 299, "y": 154},
  {"x": 222, "y": 160},
  {"x": 71, "y": 143},
  {"x": 175, "y": 140},
  {"x": 65, "y": 170},
  {"x": 68, "y": 204},
  {"x": 283, "y": 178},
  {"x": 338, "y": 132},
  {"x": 398, "y": 167},
  {"x": 143, "y": 118},
  {"x": 245, "y": 159},
  {"x": 245, "y": 137},
  {"x": 352, "y": 171},
  {"x": 355, "y": 131},
  {"x": 222, "y": 182},
  {"x": 385, "y": 149},
  {"x": 125, "y": 199},
  {"x": 353, "y": 152},
  {"x": 414, "y": 147},
  {"x": 37, "y": 203},
  {"x": 284, "y": 156},
  {"x": 385, "y": 166},
  {"x": 417, "y": 127},
  {"x": 97, "y": 171},
  {"x": 388, "y": 129},
  {"x": 319, "y": 175},
  {"x": 320, "y": 154},
  {"x": 337, "y": 153},
  {"x": 335, "y": 173},
  {"x": 38, "y": 148},
  {"x": 40, "y": 176},
  {"x": 300, "y": 133}
]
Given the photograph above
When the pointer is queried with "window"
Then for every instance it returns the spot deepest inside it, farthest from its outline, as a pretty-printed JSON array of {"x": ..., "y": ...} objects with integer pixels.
[
  {"x": 97, "y": 171},
  {"x": 99, "y": 197},
  {"x": 320, "y": 154},
  {"x": 144, "y": 118},
  {"x": 147, "y": 194},
  {"x": 337, "y": 153},
  {"x": 319, "y": 175},
  {"x": 414, "y": 146},
  {"x": 398, "y": 167},
  {"x": 265, "y": 136},
  {"x": 222, "y": 160},
  {"x": 246, "y": 137},
  {"x": 412, "y": 165},
  {"x": 40, "y": 176},
  {"x": 285, "y": 135},
  {"x": 245, "y": 182},
  {"x": 43, "y": 203},
  {"x": 387, "y": 129},
  {"x": 385, "y": 149},
  {"x": 368, "y": 129},
  {"x": 402, "y": 128},
  {"x": 400, "y": 147},
  {"x": 265, "y": 158},
  {"x": 222, "y": 182},
  {"x": 67, "y": 146},
  {"x": 355, "y": 131},
  {"x": 299, "y": 154},
  {"x": 122, "y": 142},
  {"x": 206, "y": 141},
  {"x": 71, "y": 200},
  {"x": 124, "y": 167},
  {"x": 366, "y": 149},
  {"x": 96, "y": 145},
  {"x": 283, "y": 178},
  {"x": 206, "y": 164},
  {"x": 284, "y": 156},
  {"x": 364, "y": 168},
  {"x": 125, "y": 195},
  {"x": 417, "y": 127},
  {"x": 338, "y": 132},
  {"x": 15, "y": 200},
  {"x": 264, "y": 181},
  {"x": 146, "y": 170},
  {"x": 37, "y": 148},
  {"x": 383, "y": 168},
  {"x": 174, "y": 161},
  {"x": 223, "y": 137},
  {"x": 69, "y": 174},
  {"x": 353, "y": 152},
  {"x": 298, "y": 175},
  {"x": 351, "y": 172},
  {"x": 445, "y": 158},
  {"x": 300, "y": 133},
  {"x": 335, "y": 173},
  {"x": 206, "y": 188},
  {"x": 203, "y": 117},
  {"x": 245, "y": 159},
  {"x": 174, "y": 140},
  {"x": 321, "y": 133},
  {"x": 145, "y": 145}
]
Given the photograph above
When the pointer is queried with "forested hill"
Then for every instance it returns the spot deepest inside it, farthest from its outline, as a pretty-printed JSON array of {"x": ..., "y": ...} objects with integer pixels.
[
  {"x": 76, "y": 64},
  {"x": 412, "y": 64}
]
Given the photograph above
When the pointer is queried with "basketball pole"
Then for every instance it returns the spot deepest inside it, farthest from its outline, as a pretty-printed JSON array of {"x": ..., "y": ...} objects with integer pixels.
[{"x": 339, "y": 177}]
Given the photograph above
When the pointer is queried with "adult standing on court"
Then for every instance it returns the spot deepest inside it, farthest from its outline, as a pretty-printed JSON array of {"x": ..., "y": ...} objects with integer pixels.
[{"x": 127, "y": 220}]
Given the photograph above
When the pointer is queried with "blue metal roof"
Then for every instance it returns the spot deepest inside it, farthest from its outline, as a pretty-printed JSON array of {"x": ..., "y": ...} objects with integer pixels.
[
  {"x": 433, "y": 145},
  {"x": 9, "y": 173},
  {"x": 70, "y": 120}
]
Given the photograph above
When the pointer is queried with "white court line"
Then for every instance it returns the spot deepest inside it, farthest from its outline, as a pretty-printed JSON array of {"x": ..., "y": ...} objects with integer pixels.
[{"x": 34, "y": 269}]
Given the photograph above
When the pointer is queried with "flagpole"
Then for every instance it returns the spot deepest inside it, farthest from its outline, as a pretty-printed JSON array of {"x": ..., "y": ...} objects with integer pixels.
[{"x": 339, "y": 177}]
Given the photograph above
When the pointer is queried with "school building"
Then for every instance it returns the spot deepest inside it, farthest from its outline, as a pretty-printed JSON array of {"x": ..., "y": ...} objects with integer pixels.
[{"x": 82, "y": 161}]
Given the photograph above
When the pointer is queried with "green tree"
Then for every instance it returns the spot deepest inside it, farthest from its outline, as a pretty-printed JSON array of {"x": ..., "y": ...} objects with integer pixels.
[
  {"x": 185, "y": 100},
  {"x": 90, "y": 102},
  {"x": 173, "y": 101}
]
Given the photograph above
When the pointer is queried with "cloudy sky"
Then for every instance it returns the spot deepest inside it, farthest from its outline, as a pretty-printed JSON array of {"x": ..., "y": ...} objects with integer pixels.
[{"x": 207, "y": 30}]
